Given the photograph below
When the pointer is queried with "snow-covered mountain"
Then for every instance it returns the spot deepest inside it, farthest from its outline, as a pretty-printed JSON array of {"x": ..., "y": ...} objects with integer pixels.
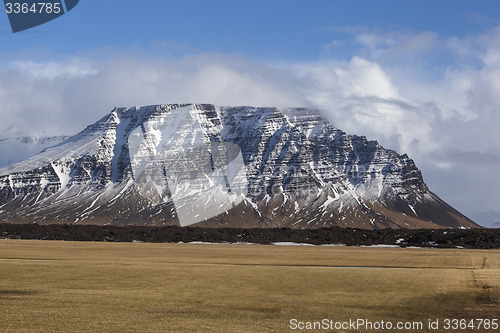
[{"x": 204, "y": 165}]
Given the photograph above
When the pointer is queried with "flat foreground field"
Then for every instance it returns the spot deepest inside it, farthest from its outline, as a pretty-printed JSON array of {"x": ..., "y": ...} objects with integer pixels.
[{"x": 137, "y": 287}]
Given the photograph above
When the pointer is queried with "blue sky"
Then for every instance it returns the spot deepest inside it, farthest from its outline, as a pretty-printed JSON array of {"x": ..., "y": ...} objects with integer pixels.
[
  {"x": 291, "y": 30},
  {"x": 421, "y": 77}
]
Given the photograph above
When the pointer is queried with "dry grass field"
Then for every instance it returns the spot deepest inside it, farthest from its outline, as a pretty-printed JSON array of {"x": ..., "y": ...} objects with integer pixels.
[{"x": 54, "y": 286}]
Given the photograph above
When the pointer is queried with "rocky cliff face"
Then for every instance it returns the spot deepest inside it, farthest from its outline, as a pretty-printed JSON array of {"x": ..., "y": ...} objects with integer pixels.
[{"x": 204, "y": 165}]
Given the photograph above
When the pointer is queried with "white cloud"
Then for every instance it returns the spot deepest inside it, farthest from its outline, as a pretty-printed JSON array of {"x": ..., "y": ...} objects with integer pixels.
[
  {"x": 57, "y": 98},
  {"x": 397, "y": 44},
  {"x": 71, "y": 68}
]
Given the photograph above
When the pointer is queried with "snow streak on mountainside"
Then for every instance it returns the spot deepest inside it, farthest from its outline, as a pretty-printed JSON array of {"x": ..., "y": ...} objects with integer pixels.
[{"x": 204, "y": 165}]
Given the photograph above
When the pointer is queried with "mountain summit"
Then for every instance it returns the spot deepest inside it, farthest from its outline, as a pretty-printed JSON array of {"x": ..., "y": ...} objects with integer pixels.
[{"x": 204, "y": 165}]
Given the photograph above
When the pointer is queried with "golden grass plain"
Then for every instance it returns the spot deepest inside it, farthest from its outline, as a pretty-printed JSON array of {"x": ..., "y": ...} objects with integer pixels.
[{"x": 55, "y": 286}]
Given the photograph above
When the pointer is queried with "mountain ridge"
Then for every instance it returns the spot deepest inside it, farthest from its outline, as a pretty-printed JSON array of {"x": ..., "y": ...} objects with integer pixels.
[{"x": 260, "y": 167}]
